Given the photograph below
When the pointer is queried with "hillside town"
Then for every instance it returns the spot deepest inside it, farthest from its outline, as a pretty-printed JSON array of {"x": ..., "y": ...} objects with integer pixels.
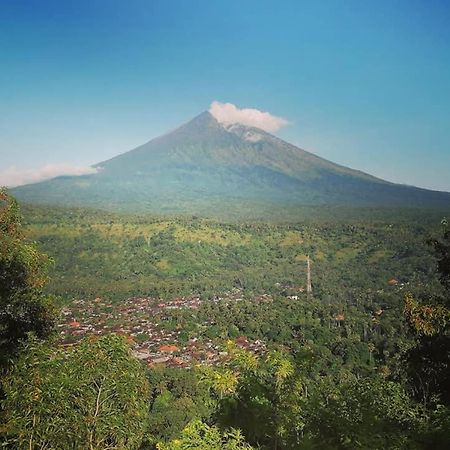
[{"x": 147, "y": 323}]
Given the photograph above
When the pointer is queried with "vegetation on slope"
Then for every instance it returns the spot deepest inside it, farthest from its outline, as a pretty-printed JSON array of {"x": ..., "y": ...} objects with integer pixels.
[
  {"x": 204, "y": 168},
  {"x": 344, "y": 367},
  {"x": 119, "y": 256}
]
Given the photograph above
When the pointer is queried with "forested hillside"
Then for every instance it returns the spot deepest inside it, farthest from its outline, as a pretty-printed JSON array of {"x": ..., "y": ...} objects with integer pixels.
[
  {"x": 119, "y": 256},
  {"x": 193, "y": 333}
]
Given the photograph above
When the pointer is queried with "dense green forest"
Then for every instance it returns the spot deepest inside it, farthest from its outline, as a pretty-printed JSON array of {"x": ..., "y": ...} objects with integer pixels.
[
  {"x": 361, "y": 362},
  {"x": 104, "y": 254}
]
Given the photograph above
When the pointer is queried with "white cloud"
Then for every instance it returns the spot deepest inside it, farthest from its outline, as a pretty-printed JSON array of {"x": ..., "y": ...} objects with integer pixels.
[
  {"x": 12, "y": 176},
  {"x": 227, "y": 113}
]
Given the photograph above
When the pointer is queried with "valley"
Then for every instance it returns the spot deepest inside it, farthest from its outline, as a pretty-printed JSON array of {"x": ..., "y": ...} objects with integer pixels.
[
  {"x": 178, "y": 289},
  {"x": 215, "y": 316}
]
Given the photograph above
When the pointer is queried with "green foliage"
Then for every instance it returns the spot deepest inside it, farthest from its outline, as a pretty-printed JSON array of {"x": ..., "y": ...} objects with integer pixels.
[
  {"x": 369, "y": 413},
  {"x": 176, "y": 398},
  {"x": 434, "y": 434},
  {"x": 118, "y": 256},
  {"x": 426, "y": 320},
  {"x": 23, "y": 307},
  {"x": 199, "y": 436},
  {"x": 442, "y": 250},
  {"x": 261, "y": 396},
  {"x": 93, "y": 396},
  {"x": 332, "y": 375},
  {"x": 428, "y": 361}
]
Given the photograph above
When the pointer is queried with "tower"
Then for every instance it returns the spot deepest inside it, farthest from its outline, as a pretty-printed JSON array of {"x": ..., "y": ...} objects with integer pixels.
[{"x": 308, "y": 276}]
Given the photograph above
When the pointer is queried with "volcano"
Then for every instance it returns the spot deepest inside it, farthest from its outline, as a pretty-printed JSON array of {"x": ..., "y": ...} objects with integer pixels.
[{"x": 204, "y": 166}]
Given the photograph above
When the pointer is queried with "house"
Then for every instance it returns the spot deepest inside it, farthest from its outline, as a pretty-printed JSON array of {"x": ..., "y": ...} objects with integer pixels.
[
  {"x": 242, "y": 341},
  {"x": 169, "y": 348}
]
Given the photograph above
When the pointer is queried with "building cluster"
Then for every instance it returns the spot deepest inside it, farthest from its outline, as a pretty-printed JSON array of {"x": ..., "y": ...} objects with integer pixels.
[{"x": 148, "y": 325}]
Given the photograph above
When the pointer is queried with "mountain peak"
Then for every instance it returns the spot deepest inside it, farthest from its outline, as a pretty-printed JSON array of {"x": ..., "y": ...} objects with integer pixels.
[
  {"x": 202, "y": 121},
  {"x": 205, "y": 163},
  {"x": 206, "y": 120}
]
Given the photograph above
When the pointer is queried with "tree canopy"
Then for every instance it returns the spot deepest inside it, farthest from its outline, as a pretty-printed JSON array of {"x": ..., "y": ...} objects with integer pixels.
[
  {"x": 93, "y": 396},
  {"x": 23, "y": 273}
]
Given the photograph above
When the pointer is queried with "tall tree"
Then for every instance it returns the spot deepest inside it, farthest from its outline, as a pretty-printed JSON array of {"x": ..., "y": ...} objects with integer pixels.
[
  {"x": 93, "y": 396},
  {"x": 429, "y": 360},
  {"x": 263, "y": 396},
  {"x": 23, "y": 273},
  {"x": 199, "y": 436}
]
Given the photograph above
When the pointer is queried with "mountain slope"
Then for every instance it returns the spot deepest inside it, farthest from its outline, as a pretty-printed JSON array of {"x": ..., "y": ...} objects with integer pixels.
[{"x": 203, "y": 165}]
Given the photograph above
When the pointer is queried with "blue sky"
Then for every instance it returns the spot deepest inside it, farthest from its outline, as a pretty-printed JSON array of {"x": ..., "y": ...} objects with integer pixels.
[{"x": 365, "y": 84}]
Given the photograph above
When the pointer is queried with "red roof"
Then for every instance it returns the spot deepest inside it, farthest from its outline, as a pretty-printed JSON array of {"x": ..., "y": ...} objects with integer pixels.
[
  {"x": 242, "y": 341},
  {"x": 169, "y": 348}
]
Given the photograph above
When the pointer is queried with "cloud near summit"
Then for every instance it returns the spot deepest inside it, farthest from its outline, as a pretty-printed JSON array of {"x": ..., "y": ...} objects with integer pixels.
[{"x": 227, "y": 113}]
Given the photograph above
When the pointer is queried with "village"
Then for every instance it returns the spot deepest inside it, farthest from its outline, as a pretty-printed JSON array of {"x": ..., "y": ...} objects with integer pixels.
[{"x": 147, "y": 324}]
